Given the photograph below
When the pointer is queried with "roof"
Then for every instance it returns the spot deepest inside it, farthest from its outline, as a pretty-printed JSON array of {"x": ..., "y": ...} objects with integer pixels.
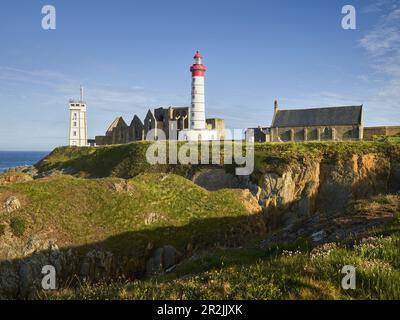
[
  {"x": 264, "y": 130},
  {"x": 117, "y": 122},
  {"x": 198, "y": 55},
  {"x": 136, "y": 119},
  {"x": 347, "y": 115}
]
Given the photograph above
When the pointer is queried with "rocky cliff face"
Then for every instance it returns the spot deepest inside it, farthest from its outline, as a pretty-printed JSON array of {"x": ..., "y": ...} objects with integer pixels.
[{"x": 305, "y": 187}]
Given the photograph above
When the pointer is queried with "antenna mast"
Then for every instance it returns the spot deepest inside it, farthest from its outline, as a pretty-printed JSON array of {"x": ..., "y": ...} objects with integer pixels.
[{"x": 81, "y": 90}]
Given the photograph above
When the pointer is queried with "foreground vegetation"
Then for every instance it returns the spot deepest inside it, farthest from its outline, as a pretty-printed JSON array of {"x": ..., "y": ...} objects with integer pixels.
[
  {"x": 125, "y": 216},
  {"x": 295, "y": 271}
]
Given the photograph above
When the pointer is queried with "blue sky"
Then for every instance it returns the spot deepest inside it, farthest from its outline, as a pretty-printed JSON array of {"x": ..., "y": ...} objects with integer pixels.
[{"x": 132, "y": 55}]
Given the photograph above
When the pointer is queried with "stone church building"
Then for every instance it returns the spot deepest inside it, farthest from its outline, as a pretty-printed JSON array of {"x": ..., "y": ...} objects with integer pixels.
[
  {"x": 333, "y": 123},
  {"x": 318, "y": 124}
]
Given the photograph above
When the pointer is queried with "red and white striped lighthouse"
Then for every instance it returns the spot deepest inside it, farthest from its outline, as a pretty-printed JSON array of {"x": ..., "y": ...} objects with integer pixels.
[
  {"x": 198, "y": 129},
  {"x": 197, "y": 116}
]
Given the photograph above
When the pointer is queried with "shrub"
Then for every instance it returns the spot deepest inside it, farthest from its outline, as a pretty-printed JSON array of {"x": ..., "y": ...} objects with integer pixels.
[
  {"x": 2, "y": 229},
  {"x": 18, "y": 226}
]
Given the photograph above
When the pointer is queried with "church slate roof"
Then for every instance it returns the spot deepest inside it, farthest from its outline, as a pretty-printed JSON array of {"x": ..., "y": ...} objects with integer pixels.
[{"x": 332, "y": 116}]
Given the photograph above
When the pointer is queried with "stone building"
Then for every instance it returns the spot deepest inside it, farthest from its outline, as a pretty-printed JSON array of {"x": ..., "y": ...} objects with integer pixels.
[
  {"x": 333, "y": 123},
  {"x": 168, "y": 117},
  {"x": 78, "y": 122},
  {"x": 260, "y": 134},
  {"x": 217, "y": 125},
  {"x": 136, "y": 129},
  {"x": 117, "y": 133},
  {"x": 150, "y": 123},
  {"x": 161, "y": 119},
  {"x": 388, "y": 131}
]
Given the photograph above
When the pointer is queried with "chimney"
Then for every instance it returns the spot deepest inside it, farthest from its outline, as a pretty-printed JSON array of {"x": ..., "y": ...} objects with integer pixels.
[{"x": 276, "y": 107}]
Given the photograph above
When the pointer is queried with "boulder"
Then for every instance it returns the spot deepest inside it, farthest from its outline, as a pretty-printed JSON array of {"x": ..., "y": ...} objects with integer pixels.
[
  {"x": 162, "y": 259},
  {"x": 170, "y": 256},
  {"x": 154, "y": 263},
  {"x": 153, "y": 217},
  {"x": 12, "y": 204},
  {"x": 318, "y": 236}
]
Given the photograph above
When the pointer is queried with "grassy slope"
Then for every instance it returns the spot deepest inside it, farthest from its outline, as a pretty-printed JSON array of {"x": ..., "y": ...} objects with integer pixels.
[
  {"x": 80, "y": 211},
  {"x": 285, "y": 272},
  {"x": 129, "y": 160}
]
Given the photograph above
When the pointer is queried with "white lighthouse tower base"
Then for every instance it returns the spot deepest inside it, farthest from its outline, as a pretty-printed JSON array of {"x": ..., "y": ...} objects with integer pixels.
[{"x": 198, "y": 135}]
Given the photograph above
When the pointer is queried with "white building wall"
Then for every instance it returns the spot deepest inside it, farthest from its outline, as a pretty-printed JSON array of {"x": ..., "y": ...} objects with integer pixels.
[{"x": 78, "y": 124}]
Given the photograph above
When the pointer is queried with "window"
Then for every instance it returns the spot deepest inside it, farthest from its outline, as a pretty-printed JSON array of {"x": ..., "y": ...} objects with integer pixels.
[
  {"x": 74, "y": 133},
  {"x": 74, "y": 124},
  {"x": 75, "y": 116}
]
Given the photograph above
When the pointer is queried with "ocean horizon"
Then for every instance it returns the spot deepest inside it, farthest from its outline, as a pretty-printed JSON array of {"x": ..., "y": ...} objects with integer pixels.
[{"x": 11, "y": 159}]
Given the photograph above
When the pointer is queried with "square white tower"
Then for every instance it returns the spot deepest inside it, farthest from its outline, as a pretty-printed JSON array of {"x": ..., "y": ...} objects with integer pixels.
[{"x": 78, "y": 123}]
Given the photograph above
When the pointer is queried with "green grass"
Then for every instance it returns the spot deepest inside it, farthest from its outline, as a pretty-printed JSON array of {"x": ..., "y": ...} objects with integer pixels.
[
  {"x": 18, "y": 226},
  {"x": 81, "y": 212},
  {"x": 129, "y": 160},
  {"x": 294, "y": 272}
]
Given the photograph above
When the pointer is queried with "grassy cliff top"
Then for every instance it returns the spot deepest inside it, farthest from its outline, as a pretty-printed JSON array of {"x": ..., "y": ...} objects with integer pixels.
[
  {"x": 129, "y": 160},
  {"x": 125, "y": 215}
]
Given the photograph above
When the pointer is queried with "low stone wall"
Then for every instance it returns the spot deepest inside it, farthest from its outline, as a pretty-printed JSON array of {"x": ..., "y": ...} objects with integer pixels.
[{"x": 370, "y": 132}]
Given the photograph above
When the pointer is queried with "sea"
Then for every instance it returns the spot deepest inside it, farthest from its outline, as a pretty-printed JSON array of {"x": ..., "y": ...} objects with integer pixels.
[{"x": 10, "y": 159}]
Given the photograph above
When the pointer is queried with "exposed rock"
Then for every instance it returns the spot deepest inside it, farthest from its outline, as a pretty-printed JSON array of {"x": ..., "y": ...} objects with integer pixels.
[
  {"x": 97, "y": 265},
  {"x": 162, "y": 259},
  {"x": 318, "y": 236},
  {"x": 323, "y": 228},
  {"x": 56, "y": 172},
  {"x": 170, "y": 256},
  {"x": 215, "y": 179},
  {"x": 296, "y": 190},
  {"x": 38, "y": 243},
  {"x": 153, "y": 217},
  {"x": 355, "y": 178},
  {"x": 9, "y": 280},
  {"x": 121, "y": 186},
  {"x": 12, "y": 204},
  {"x": 11, "y": 177},
  {"x": 154, "y": 263},
  {"x": 250, "y": 202}
]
